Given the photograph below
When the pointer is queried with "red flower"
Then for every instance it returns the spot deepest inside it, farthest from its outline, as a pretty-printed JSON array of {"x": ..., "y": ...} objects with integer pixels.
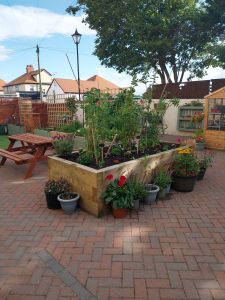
[
  {"x": 109, "y": 177},
  {"x": 122, "y": 181}
]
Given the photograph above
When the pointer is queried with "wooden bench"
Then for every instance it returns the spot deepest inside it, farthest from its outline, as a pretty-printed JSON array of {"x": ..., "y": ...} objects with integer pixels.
[{"x": 17, "y": 158}]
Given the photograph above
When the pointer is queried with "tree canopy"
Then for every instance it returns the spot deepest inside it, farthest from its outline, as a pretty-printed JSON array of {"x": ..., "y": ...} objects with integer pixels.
[{"x": 167, "y": 37}]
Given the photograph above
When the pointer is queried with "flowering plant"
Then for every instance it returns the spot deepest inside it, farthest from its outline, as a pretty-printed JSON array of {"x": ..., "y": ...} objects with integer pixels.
[
  {"x": 57, "y": 186},
  {"x": 186, "y": 164},
  {"x": 118, "y": 193},
  {"x": 63, "y": 144},
  {"x": 198, "y": 117},
  {"x": 205, "y": 160},
  {"x": 199, "y": 137}
]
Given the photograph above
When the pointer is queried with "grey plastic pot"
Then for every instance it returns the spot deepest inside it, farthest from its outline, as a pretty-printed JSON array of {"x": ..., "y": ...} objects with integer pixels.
[
  {"x": 168, "y": 188},
  {"x": 136, "y": 204},
  {"x": 200, "y": 146},
  {"x": 162, "y": 194},
  {"x": 70, "y": 205},
  {"x": 151, "y": 193}
]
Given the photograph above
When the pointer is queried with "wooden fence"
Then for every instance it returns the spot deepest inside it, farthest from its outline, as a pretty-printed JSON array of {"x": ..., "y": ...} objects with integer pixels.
[{"x": 9, "y": 111}]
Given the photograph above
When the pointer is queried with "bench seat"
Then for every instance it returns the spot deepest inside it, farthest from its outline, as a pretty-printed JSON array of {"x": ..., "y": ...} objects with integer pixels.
[{"x": 17, "y": 158}]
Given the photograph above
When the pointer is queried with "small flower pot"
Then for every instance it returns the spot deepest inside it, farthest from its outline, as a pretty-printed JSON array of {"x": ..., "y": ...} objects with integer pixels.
[
  {"x": 151, "y": 193},
  {"x": 201, "y": 173},
  {"x": 200, "y": 146},
  {"x": 161, "y": 194},
  {"x": 183, "y": 183},
  {"x": 68, "y": 202},
  {"x": 168, "y": 188},
  {"x": 120, "y": 213},
  {"x": 52, "y": 202}
]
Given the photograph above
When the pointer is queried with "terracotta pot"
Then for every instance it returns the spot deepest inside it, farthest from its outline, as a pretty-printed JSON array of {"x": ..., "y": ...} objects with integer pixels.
[{"x": 119, "y": 213}]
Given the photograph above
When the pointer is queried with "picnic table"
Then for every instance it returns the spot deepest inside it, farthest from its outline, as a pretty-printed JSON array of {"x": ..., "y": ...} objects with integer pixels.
[{"x": 26, "y": 148}]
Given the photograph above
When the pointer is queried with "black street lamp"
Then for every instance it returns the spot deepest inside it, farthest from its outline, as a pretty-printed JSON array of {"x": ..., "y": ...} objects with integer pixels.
[{"x": 76, "y": 38}]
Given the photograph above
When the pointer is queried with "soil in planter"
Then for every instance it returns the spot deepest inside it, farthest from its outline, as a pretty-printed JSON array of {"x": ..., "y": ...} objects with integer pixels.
[
  {"x": 68, "y": 196},
  {"x": 117, "y": 159}
]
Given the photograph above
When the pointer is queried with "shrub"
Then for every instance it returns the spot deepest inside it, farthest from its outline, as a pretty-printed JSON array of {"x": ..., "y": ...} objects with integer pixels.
[
  {"x": 71, "y": 128},
  {"x": 162, "y": 179},
  {"x": 85, "y": 158},
  {"x": 57, "y": 186},
  {"x": 63, "y": 145}
]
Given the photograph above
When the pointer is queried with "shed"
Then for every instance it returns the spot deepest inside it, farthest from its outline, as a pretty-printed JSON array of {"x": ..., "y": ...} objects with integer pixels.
[{"x": 214, "y": 123}]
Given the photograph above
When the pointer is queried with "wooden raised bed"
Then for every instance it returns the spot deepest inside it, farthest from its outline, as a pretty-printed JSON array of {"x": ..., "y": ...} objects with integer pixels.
[{"x": 90, "y": 183}]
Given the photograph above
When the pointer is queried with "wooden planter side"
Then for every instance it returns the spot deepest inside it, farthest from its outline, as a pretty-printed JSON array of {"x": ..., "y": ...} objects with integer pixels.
[{"x": 91, "y": 183}]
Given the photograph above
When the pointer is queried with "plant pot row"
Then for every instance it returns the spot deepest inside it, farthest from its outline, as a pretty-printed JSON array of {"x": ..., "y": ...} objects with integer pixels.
[{"x": 67, "y": 201}]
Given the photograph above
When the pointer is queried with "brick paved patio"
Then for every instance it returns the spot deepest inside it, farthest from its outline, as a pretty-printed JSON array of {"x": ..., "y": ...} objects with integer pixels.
[{"x": 172, "y": 250}]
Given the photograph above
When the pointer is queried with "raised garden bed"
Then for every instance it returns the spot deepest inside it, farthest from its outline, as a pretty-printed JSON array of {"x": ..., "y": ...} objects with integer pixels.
[{"x": 90, "y": 183}]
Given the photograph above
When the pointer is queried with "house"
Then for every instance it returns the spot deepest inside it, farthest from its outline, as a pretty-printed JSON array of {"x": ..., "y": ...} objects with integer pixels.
[
  {"x": 187, "y": 92},
  {"x": 2, "y": 83},
  {"x": 28, "y": 85},
  {"x": 69, "y": 87}
]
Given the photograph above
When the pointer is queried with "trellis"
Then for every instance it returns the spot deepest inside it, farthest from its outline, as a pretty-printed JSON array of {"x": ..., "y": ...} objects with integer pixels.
[
  {"x": 25, "y": 108},
  {"x": 58, "y": 115}
]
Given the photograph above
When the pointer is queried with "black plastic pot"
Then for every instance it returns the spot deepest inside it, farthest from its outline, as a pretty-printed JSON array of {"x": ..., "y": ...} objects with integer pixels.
[
  {"x": 52, "y": 201},
  {"x": 183, "y": 184},
  {"x": 201, "y": 173}
]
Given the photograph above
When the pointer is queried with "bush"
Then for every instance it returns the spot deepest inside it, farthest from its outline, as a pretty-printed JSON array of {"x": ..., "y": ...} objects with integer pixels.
[
  {"x": 57, "y": 186},
  {"x": 71, "y": 128},
  {"x": 63, "y": 145},
  {"x": 85, "y": 158},
  {"x": 162, "y": 180}
]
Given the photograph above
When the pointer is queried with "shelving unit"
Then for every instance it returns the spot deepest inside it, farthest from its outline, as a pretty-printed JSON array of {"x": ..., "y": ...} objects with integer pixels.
[{"x": 184, "y": 119}]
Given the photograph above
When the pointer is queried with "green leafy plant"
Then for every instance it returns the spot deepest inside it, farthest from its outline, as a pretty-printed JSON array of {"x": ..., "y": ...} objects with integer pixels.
[
  {"x": 116, "y": 150},
  {"x": 57, "y": 186},
  {"x": 71, "y": 128},
  {"x": 63, "y": 144},
  {"x": 162, "y": 179},
  {"x": 118, "y": 193},
  {"x": 71, "y": 105},
  {"x": 138, "y": 189},
  {"x": 85, "y": 158},
  {"x": 186, "y": 163}
]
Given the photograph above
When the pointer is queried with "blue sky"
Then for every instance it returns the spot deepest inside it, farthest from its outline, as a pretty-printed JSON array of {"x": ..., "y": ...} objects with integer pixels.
[{"x": 26, "y": 23}]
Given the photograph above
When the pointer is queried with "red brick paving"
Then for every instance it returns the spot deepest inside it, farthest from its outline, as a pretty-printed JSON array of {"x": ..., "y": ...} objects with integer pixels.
[{"x": 172, "y": 250}]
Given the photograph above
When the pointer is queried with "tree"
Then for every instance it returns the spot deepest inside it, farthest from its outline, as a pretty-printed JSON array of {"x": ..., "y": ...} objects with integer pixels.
[{"x": 167, "y": 37}]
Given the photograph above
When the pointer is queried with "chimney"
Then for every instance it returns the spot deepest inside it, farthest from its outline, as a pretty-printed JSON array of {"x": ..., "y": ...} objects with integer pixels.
[{"x": 29, "y": 68}]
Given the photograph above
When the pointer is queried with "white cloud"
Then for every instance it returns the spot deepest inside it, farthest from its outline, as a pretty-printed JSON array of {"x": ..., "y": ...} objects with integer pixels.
[
  {"x": 29, "y": 22},
  {"x": 4, "y": 53}
]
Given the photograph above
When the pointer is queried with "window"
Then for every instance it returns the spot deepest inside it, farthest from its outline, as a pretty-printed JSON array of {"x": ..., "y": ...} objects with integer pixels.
[{"x": 31, "y": 88}]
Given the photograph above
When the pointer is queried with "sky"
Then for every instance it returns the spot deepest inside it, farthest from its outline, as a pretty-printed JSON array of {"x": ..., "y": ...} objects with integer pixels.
[{"x": 26, "y": 23}]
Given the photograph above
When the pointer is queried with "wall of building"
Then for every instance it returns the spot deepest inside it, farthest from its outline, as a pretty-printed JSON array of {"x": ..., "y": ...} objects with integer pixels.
[
  {"x": 54, "y": 89},
  {"x": 171, "y": 118}
]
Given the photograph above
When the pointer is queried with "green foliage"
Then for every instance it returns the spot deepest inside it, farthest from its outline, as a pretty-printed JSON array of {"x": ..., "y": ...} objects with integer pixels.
[
  {"x": 175, "y": 35},
  {"x": 186, "y": 164},
  {"x": 205, "y": 160},
  {"x": 127, "y": 118},
  {"x": 71, "y": 128},
  {"x": 57, "y": 186},
  {"x": 71, "y": 105},
  {"x": 63, "y": 145},
  {"x": 138, "y": 189},
  {"x": 4, "y": 141},
  {"x": 119, "y": 194},
  {"x": 162, "y": 179},
  {"x": 85, "y": 158},
  {"x": 116, "y": 150}
]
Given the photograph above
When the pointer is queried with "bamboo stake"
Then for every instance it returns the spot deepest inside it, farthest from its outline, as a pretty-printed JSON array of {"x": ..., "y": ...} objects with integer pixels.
[
  {"x": 110, "y": 146},
  {"x": 96, "y": 158}
]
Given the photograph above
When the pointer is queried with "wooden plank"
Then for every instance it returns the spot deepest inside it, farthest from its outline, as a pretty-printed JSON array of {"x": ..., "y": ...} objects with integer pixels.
[{"x": 12, "y": 156}]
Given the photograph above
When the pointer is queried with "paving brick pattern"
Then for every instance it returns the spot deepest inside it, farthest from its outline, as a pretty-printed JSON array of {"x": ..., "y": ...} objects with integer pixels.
[{"x": 174, "y": 249}]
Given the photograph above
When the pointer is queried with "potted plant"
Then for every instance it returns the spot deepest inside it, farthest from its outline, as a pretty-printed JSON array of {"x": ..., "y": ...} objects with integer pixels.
[
  {"x": 199, "y": 140},
  {"x": 151, "y": 193},
  {"x": 119, "y": 195},
  {"x": 163, "y": 181},
  {"x": 204, "y": 162},
  {"x": 52, "y": 189},
  {"x": 186, "y": 168},
  {"x": 68, "y": 201},
  {"x": 139, "y": 192}
]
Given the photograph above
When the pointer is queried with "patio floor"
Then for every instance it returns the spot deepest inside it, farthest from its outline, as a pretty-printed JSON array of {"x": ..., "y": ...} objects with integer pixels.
[{"x": 174, "y": 249}]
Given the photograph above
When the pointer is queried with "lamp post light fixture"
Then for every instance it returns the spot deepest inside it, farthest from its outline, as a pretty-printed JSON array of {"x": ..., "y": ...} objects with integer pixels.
[{"x": 76, "y": 38}]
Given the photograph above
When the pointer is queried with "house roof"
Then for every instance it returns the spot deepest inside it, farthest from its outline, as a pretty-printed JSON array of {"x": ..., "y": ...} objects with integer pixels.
[
  {"x": 188, "y": 90},
  {"x": 26, "y": 78},
  {"x": 71, "y": 86},
  {"x": 2, "y": 83}
]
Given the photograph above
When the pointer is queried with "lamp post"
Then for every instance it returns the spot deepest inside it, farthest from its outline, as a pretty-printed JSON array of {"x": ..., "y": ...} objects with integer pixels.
[{"x": 76, "y": 38}]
